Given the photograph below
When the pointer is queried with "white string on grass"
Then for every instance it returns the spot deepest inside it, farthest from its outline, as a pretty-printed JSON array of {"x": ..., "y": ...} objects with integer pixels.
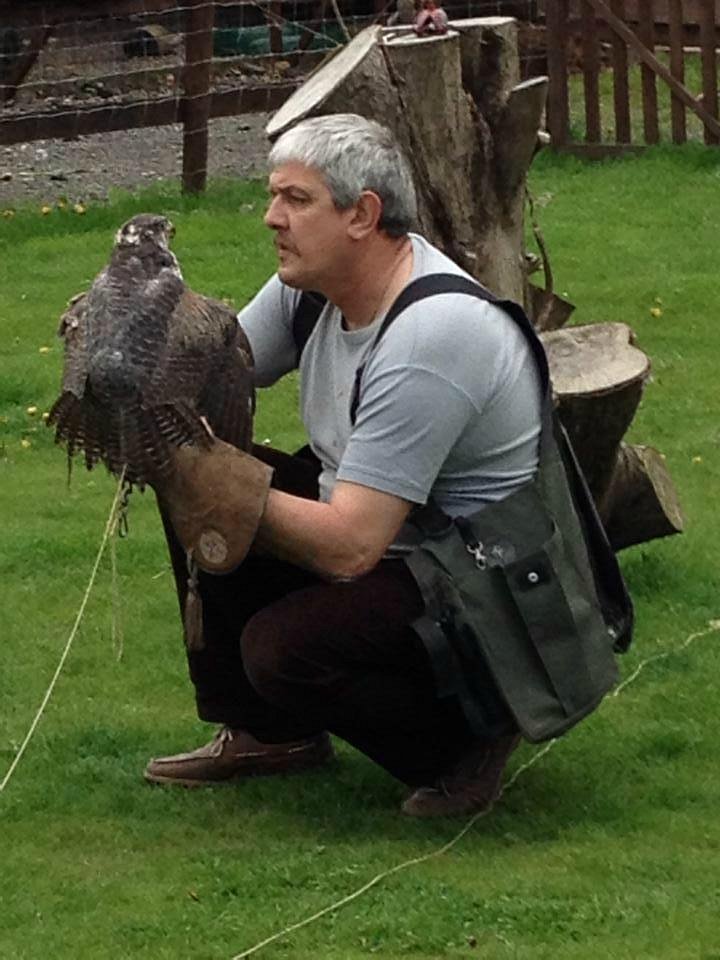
[
  {"x": 117, "y": 634},
  {"x": 109, "y": 527},
  {"x": 712, "y": 627}
]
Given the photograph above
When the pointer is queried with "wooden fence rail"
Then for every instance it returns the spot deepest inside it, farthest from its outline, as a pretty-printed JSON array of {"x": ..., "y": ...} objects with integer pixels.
[{"x": 657, "y": 34}]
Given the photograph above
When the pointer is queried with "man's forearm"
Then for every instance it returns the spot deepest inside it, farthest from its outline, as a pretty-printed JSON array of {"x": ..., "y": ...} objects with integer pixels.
[{"x": 313, "y": 535}]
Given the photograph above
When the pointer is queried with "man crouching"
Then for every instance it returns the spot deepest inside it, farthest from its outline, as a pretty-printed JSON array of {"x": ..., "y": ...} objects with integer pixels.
[{"x": 312, "y": 633}]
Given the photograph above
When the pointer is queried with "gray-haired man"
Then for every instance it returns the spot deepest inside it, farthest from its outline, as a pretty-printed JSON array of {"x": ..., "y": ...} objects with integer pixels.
[{"x": 312, "y": 631}]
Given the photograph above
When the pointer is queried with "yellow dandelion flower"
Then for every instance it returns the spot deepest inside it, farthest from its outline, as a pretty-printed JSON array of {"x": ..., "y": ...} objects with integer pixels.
[
  {"x": 45, "y": 210},
  {"x": 44, "y": 350},
  {"x": 79, "y": 208},
  {"x": 697, "y": 459},
  {"x": 25, "y": 443},
  {"x": 46, "y": 415},
  {"x": 8, "y": 214},
  {"x": 655, "y": 312},
  {"x": 31, "y": 411}
]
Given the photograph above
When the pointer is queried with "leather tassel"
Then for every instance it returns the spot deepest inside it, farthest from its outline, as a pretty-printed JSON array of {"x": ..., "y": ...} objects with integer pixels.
[{"x": 192, "y": 618}]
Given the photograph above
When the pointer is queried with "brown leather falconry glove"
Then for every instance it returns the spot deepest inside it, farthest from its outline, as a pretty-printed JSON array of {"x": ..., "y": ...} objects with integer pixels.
[{"x": 215, "y": 498}]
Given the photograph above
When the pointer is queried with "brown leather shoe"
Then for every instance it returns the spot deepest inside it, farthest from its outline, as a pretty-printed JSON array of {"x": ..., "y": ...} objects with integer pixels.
[
  {"x": 235, "y": 753},
  {"x": 473, "y": 786}
]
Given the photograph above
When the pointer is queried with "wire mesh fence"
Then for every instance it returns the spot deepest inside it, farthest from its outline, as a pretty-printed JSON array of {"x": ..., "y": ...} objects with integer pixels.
[{"x": 71, "y": 70}]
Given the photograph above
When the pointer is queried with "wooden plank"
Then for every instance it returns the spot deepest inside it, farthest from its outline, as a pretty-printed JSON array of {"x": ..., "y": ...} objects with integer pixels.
[
  {"x": 558, "y": 111},
  {"x": 86, "y": 121},
  {"x": 646, "y": 33},
  {"x": 197, "y": 96},
  {"x": 275, "y": 38},
  {"x": 83, "y": 121},
  {"x": 652, "y": 61},
  {"x": 621, "y": 84},
  {"x": 709, "y": 67},
  {"x": 677, "y": 68},
  {"x": 591, "y": 75}
]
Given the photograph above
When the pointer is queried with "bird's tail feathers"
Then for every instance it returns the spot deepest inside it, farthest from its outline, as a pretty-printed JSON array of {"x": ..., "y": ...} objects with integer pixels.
[{"x": 138, "y": 439}]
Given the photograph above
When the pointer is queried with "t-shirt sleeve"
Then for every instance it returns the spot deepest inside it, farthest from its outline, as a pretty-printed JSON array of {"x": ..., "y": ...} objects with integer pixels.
[
  {"x": 408, "y": 420},
  {"x": 267, "y": 321}
]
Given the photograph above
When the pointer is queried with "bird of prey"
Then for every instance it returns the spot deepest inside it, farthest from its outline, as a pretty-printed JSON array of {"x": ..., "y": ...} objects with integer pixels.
[{"x": 149, "y": 364}]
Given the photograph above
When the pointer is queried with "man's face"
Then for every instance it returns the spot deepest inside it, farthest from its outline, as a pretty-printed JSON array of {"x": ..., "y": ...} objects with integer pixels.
[{"x": 310, "y": 232}]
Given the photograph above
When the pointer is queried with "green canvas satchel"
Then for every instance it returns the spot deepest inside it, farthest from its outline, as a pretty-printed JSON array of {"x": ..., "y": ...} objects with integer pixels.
[{"x": 525, "y": 605}]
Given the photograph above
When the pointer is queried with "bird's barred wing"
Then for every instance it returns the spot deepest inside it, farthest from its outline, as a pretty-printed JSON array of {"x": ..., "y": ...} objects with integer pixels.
[
  {"x": 207, "y": 362},
  {"x": 228, "y": 400},
  {"x": 73, "y": 330}
]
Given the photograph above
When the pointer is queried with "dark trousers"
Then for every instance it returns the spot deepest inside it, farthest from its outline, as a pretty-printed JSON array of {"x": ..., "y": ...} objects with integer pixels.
[{"x": 288, "y": 655}]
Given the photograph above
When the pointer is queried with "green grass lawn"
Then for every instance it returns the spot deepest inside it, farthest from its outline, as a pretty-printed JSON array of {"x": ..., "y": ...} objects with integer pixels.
[{"x": 608, "y": 847}]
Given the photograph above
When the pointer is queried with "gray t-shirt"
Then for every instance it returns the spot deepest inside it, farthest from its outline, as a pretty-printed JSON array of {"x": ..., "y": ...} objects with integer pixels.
[{"x": 449, "y": 400}]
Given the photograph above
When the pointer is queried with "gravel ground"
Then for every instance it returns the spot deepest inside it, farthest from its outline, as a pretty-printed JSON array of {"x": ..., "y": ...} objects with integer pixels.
[{"x": 88, "y": 168}]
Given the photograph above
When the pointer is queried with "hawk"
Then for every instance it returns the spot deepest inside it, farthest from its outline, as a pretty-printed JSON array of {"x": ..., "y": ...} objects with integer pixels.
[{"x": 149, "y": 364}]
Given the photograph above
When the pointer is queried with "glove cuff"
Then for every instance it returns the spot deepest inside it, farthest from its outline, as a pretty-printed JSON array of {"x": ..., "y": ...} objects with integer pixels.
[{"x": 215, "y": 499}]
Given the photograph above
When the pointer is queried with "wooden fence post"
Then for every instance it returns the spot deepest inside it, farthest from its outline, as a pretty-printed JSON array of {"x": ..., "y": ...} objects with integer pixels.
[
  {"x": 275, "y": 25},
  {"x": 558, "y": 119},
  {"x": 591, "y": 74},
  {"x": 646, "y": 33},
  {"x": 677, "y": 68},
  {"x": 621, "y": 84},
  {"x": 199, "y": 22},
  {"x": 709, "y": 66}
]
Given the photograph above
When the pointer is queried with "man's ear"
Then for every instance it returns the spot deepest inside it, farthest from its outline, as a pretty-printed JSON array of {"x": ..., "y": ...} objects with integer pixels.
[{"x": 366, "y": 215}]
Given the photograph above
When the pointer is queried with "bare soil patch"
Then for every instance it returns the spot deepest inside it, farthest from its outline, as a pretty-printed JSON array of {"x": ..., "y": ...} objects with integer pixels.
[{"x": 88, "y": 168}]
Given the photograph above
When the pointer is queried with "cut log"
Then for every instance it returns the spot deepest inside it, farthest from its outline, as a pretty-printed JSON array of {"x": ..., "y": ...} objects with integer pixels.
[
  {"x": 598, "y": 376},
  {"x": 641, "y": 502}
]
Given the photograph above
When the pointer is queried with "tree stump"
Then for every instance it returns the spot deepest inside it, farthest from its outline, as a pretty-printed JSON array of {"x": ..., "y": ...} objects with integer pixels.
[{"x": 470, "y": 129}]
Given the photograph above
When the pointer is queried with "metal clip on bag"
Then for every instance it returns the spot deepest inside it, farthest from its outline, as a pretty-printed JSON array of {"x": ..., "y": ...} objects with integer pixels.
[{"x": 525, "y": 605}]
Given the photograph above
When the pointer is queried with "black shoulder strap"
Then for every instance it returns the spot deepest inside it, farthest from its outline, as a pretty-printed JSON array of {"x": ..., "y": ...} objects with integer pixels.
[
  {"x": 436, "y": 283},
  {"x": 306, "y": 316}
]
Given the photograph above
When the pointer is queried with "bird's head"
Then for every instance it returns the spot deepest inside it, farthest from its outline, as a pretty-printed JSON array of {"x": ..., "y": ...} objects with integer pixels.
[{"x": 145, "y": 228}]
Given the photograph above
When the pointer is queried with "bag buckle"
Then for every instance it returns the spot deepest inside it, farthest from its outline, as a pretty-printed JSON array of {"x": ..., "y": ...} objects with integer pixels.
[
  {"x": 475, "y": 547},
  {"x": 477, "y": 552}
]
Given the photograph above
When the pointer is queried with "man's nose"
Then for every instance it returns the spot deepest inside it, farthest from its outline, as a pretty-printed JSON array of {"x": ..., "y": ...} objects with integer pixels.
[{"x": 274, "y": 217}]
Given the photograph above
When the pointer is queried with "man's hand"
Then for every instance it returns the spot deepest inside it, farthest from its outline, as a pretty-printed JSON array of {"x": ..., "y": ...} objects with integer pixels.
[{"x": 215, "y": 499}]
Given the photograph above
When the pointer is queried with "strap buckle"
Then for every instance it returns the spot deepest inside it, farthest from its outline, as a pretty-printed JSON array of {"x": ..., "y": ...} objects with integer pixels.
[{"x": 477, "y": 552}]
